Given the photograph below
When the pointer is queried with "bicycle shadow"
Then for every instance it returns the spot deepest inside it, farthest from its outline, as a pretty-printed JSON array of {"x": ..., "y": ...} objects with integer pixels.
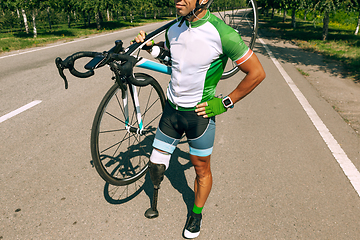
[{"x": 175, "y": 174}]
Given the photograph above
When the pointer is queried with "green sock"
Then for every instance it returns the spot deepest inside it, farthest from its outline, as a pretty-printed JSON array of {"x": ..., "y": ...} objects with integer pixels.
[{"x": 197, "y": 209}]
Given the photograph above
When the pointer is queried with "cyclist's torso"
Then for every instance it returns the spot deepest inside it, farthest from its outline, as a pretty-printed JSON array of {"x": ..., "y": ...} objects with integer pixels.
[{"x": 199, "y": 51}]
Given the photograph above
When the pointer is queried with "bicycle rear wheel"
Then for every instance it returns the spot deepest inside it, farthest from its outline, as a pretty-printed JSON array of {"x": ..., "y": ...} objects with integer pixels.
[
  {"x": 121, "y": 156},
  {"x": 241, "y": 15}
]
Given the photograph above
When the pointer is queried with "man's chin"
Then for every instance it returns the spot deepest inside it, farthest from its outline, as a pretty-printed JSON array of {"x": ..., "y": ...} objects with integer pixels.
[{"x": 181, "y": 13}]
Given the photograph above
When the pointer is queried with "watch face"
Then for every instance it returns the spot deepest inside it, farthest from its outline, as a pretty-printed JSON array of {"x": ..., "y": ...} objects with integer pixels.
[{"x": 227, "y": 102}]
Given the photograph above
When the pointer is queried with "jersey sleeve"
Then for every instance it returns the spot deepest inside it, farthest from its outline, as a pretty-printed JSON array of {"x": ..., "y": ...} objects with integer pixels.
[
  {"x": 232, "y": 43},
  {"x": 235, "y": 48}
]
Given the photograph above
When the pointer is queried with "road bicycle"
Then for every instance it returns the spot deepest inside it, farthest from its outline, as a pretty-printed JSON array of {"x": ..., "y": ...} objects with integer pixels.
[{"x": 126, "y": 120}]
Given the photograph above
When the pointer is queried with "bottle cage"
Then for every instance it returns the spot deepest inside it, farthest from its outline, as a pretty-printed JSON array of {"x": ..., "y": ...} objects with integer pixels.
[{"x": 192, "y": 13}]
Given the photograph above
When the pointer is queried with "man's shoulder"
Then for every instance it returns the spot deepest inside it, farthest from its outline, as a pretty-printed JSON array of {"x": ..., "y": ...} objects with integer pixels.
[
  {"x": 220, "y": 25},
  {"x": 214, "y": 19}
]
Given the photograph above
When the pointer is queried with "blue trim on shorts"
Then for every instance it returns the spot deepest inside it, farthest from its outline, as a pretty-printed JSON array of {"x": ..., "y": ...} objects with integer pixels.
[
  {"x": 200, "y": 152},
  {"x": 163, "y": 146},
  {"x": 202, "y": 146}
]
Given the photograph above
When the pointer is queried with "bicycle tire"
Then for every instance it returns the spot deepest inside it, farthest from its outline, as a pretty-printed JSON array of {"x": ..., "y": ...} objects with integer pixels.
[
  {"x": 121, "y": 157},
  {"x": 244, "y": 19}
]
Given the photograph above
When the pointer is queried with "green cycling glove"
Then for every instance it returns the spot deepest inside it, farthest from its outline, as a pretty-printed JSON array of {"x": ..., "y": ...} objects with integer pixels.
[{"x": 215, "y": 107}]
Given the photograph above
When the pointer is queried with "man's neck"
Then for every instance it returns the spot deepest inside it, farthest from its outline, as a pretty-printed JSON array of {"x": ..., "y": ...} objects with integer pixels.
[{"x": 198, "y": 15}]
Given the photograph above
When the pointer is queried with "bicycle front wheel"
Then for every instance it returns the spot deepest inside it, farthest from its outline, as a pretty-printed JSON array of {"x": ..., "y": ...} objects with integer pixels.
[
  {"x": 241, "y": 15},
  {"x": 121, "y": 156}
]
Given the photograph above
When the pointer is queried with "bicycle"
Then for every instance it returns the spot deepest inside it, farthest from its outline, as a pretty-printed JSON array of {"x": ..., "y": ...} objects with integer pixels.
[{"x": 126, "y": 120}]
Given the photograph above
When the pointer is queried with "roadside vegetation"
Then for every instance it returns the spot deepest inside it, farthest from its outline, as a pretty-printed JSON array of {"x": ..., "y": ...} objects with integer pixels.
[
  {"x": 15, "y": 40},
  {"x": 329, "y": 27},
  {"x": 341, "y": 44}
]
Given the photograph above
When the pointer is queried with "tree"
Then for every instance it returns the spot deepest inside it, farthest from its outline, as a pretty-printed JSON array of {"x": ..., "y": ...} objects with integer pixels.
[
  {"x": 325, "y": 7},
  {"x": 18, "y": 4},
  {"x": 355, "y": 4},
  {"x": 8, "y": 18},
  {"x": 358, "y": 24},
  {"x": 48, "y": 5}
]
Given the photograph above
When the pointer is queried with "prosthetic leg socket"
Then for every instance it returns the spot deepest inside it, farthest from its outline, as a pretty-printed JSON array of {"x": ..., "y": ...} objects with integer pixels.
[{"x": 156, "y": 175}]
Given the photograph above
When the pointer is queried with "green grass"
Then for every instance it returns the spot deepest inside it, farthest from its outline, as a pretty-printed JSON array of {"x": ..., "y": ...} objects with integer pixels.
[
  {"x": 15, "y": 40},
  {"x": 302, "y": 72},
  {"x": 342, "y": 45}
]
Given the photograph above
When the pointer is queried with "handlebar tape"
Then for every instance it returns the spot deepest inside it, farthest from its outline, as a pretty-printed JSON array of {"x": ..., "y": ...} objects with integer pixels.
[{"x": 69, "y": 63}]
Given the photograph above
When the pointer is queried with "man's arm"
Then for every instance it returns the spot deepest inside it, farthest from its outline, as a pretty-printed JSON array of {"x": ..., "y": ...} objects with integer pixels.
[{"x": 254, "y": 75}]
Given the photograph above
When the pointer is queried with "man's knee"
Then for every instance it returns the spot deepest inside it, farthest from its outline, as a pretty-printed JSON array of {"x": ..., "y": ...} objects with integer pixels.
[{"x": 204, "y": 180}]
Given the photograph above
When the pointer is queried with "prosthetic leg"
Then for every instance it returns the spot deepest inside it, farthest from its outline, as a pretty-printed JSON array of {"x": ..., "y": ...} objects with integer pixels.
[{"x": 156, "y": 175}]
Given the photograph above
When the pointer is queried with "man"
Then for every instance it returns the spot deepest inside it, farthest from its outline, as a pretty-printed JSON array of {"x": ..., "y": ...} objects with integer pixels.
[{"x": 199, "y": 48}]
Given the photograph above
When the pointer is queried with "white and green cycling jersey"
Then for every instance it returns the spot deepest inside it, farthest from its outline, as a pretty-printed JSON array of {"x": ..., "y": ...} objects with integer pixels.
[{"x": 199, "y": 52}]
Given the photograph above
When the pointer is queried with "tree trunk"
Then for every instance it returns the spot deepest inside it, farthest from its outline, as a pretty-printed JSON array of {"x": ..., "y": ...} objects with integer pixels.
[
  {"x": 284, "y": 16},
  {"x": 84, "y": 17},
  {"x": 265, "y": 11},
  {"x": 49, "y": 18},
  {"x": 97, "y": 18},
  {"x": 325, "y": 26},
  {"x": 34, "y": 22},
  {"x": 68, "y": 19},
  {"x": 358, "y": 24},
  {"x": 18, "y": 13},
  {"x": 25, "y": 21},
  {"x": 293, "y": 20},
  {"x": 108, "y": 15},
  {"x": 272, "y": 13}
]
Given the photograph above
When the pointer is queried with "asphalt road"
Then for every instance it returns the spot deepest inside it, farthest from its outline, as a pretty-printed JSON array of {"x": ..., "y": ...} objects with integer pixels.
[{"x": 275, "y": 176}]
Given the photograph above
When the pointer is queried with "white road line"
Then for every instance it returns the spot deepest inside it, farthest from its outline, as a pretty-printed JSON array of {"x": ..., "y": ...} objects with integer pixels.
[
  {"x": 19, "y": 110},
  {"x": 345, "y": 163}
]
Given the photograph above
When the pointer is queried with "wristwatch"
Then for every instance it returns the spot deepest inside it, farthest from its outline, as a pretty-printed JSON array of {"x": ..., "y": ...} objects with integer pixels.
[{"x": 227, "y": 102}]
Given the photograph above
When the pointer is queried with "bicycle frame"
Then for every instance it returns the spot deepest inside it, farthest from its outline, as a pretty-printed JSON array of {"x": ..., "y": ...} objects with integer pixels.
[{"x": 146, "y": 64}]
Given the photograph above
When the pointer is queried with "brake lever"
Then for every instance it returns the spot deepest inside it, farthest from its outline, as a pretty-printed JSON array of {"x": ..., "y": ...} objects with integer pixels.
[{"x": 61, "y": 67}]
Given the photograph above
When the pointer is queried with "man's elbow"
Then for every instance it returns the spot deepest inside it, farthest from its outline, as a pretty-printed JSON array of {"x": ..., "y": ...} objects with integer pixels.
[{"x": 260, "y": 75}]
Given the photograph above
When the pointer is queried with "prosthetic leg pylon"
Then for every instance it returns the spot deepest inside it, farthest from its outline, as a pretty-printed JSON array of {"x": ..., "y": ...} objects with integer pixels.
[{"x": 156, "y": 175}]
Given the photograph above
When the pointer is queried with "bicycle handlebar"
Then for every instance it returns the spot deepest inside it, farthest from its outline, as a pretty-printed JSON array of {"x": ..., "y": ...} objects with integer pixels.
[
  {"x": 116, "y": 53},
  {"x": 69, "y": 64},
  {"x": 100, "y": 59}
]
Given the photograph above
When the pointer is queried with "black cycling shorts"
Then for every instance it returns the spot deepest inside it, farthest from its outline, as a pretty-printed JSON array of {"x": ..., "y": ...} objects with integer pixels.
[{"x": 199, "y": 131}]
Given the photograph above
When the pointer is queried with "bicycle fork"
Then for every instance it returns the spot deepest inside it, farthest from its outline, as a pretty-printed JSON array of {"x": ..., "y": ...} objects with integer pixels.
[{"x": 128, "y": 126}]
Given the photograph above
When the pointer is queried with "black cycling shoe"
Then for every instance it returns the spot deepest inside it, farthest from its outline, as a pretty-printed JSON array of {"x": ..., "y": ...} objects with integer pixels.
[{"x": 193, "y": 225}]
